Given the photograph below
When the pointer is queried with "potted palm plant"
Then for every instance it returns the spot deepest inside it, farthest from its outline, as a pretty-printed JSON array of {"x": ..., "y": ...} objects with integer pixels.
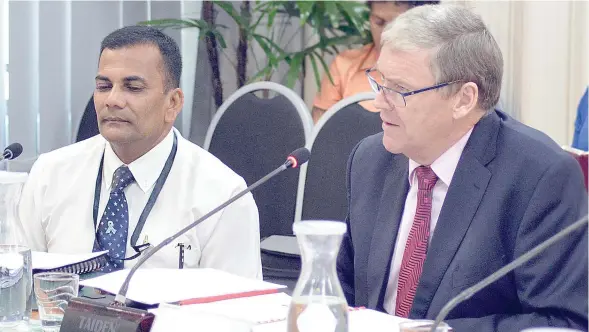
[{"x": 332, "y": 24}]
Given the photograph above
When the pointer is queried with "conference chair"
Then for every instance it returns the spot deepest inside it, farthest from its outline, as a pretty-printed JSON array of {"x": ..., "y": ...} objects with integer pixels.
[
  {"x": 321, "y": 188},
  {"x": 88, "y": 124},
  {"x": 322, "y": 184},
  {"x": 253, "y": 136}
]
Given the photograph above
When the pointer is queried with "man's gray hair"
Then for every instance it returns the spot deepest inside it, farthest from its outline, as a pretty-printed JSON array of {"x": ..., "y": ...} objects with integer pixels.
[{"x": 462, "y": 47}]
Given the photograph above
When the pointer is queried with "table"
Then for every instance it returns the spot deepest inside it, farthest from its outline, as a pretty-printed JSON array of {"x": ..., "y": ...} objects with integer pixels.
[{"x": 34, "y": 325}]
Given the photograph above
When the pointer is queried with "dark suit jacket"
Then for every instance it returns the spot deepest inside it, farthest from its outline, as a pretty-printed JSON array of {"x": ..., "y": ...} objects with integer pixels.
[{"x": 512, "y": 189}]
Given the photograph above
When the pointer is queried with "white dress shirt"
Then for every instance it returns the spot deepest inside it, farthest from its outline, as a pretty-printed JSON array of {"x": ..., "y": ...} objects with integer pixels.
[
  {"x": 444, "y": 168},
  {"x": 57, "y": 204}
]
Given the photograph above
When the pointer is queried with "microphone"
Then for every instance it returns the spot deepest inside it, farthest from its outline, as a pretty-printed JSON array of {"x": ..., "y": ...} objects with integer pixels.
[
  {"x": 11, "y": 152},
  {"x": 467, "y": 293},
  {"x": 81, "y": 312}
]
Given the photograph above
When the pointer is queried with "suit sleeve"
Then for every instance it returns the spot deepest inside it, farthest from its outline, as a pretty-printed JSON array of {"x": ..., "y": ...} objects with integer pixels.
[
  {"x": 552, "y": 287},
  {"x": 345, "y": 260}
]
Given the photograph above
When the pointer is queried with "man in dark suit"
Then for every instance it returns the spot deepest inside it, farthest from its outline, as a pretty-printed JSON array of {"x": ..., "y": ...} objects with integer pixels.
[{"x": 453, "y": 190}]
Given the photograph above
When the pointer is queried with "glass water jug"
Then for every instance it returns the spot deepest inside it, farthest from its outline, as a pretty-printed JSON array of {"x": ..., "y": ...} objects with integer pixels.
[{"x": 318, "y": 301}]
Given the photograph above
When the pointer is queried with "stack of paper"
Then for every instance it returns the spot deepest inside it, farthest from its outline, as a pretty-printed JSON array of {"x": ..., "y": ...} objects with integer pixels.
[
  {"x": 260, "y": 309},
  {"x": 358, "y": 321},
  {"x": 374, "y": 321},
  {"x": 154, "y": 286},
  {"x": 228, "y": 315},
  {"x": 175, "y": 318},
  {"x": 264, "y": 313}
]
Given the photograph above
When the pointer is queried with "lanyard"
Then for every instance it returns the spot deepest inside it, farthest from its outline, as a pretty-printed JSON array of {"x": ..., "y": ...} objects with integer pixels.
[{"x": 159, "y": 184}]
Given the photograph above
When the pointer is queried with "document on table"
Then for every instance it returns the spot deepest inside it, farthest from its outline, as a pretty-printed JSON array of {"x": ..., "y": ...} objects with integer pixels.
[
  {"x": 256, "y": 309},
  {"x": 374, "y": 321},
  {"x": 268, "y": 313},
  {"x": 154, "y": 286},
  {"x": 170, "y": 317},
  {"x": 358, "y": 321},
  {"x": 253, "y": 310}
]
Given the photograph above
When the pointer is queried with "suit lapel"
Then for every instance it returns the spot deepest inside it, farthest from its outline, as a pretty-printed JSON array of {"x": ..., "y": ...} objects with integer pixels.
[
  {"x": 392, "y": 202},
  {"x": 468, "y": 186}
]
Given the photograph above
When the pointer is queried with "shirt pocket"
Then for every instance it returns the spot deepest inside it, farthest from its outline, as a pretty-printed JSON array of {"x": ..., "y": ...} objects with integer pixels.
[
  {"x": 191, "y": 250},
  {"x": 157, "y": 230}
]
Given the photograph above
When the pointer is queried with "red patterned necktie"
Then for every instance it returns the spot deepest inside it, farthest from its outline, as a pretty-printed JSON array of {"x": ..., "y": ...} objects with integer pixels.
[{"x": 416, "y": 246}]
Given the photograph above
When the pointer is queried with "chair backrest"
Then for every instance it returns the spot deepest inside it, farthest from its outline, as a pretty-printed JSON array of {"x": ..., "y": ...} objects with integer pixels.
[
  {"x": 88, "y": 124},
  {"x": 582, "y": 158},
  {"x": 322, "y": 184},
  {"x": 253, "y": 136}
]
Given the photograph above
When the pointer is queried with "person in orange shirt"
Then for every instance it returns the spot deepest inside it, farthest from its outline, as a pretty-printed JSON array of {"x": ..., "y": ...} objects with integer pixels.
[{"x": 347, "y": 70}]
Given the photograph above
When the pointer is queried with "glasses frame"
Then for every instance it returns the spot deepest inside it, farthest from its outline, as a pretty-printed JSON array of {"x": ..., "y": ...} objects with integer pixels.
[{"x": 377, "y": 87}]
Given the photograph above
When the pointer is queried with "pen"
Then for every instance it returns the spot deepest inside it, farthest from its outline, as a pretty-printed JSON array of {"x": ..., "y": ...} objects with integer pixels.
[{"x": 180, "y": 255}]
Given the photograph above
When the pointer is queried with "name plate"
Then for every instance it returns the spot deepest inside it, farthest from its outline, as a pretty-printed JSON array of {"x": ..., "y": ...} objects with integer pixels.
[{"x": 84, "y": 315}]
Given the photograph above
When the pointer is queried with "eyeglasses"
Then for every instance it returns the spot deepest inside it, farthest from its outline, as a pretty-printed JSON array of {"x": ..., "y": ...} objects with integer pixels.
[{"x": 394, "y": 97}]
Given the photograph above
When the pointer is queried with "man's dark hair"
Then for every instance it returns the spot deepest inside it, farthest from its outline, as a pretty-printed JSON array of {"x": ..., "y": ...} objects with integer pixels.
[
  {"x": 145, "y": 35},
  {"x": 411, "y": 4}
]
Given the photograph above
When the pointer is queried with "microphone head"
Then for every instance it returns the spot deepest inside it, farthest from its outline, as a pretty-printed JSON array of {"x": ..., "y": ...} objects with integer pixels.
[
  {"x": 12, "y": 151},
  {"x": 298, "y": 157}
]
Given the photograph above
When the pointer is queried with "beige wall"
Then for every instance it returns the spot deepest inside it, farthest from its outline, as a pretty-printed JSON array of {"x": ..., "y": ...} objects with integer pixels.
[{"x": 545, "y": 46}]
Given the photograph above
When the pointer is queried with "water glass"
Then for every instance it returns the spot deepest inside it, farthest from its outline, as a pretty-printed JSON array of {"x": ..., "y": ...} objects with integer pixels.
[
  {"x": 423, "y": 326},
  {"x": 53, "y": 291}
]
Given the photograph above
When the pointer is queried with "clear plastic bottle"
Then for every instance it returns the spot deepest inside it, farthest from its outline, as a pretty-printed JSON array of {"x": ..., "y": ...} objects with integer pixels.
[{"x": 318, "y": 301}]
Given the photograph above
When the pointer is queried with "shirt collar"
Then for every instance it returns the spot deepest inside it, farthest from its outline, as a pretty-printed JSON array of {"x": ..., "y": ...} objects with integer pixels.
[
  {"x": 146, "y": 169},
  {"x": 446, "y": 164}
]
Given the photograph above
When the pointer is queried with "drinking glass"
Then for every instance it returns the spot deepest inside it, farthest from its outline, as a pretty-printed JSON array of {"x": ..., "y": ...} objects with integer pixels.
[{"x": 53, "y": 291}]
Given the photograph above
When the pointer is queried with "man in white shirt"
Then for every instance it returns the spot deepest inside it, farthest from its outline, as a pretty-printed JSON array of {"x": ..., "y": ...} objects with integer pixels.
[
  {"x": 452, "y": 189},
  {"x": 139, "y": 181}
]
